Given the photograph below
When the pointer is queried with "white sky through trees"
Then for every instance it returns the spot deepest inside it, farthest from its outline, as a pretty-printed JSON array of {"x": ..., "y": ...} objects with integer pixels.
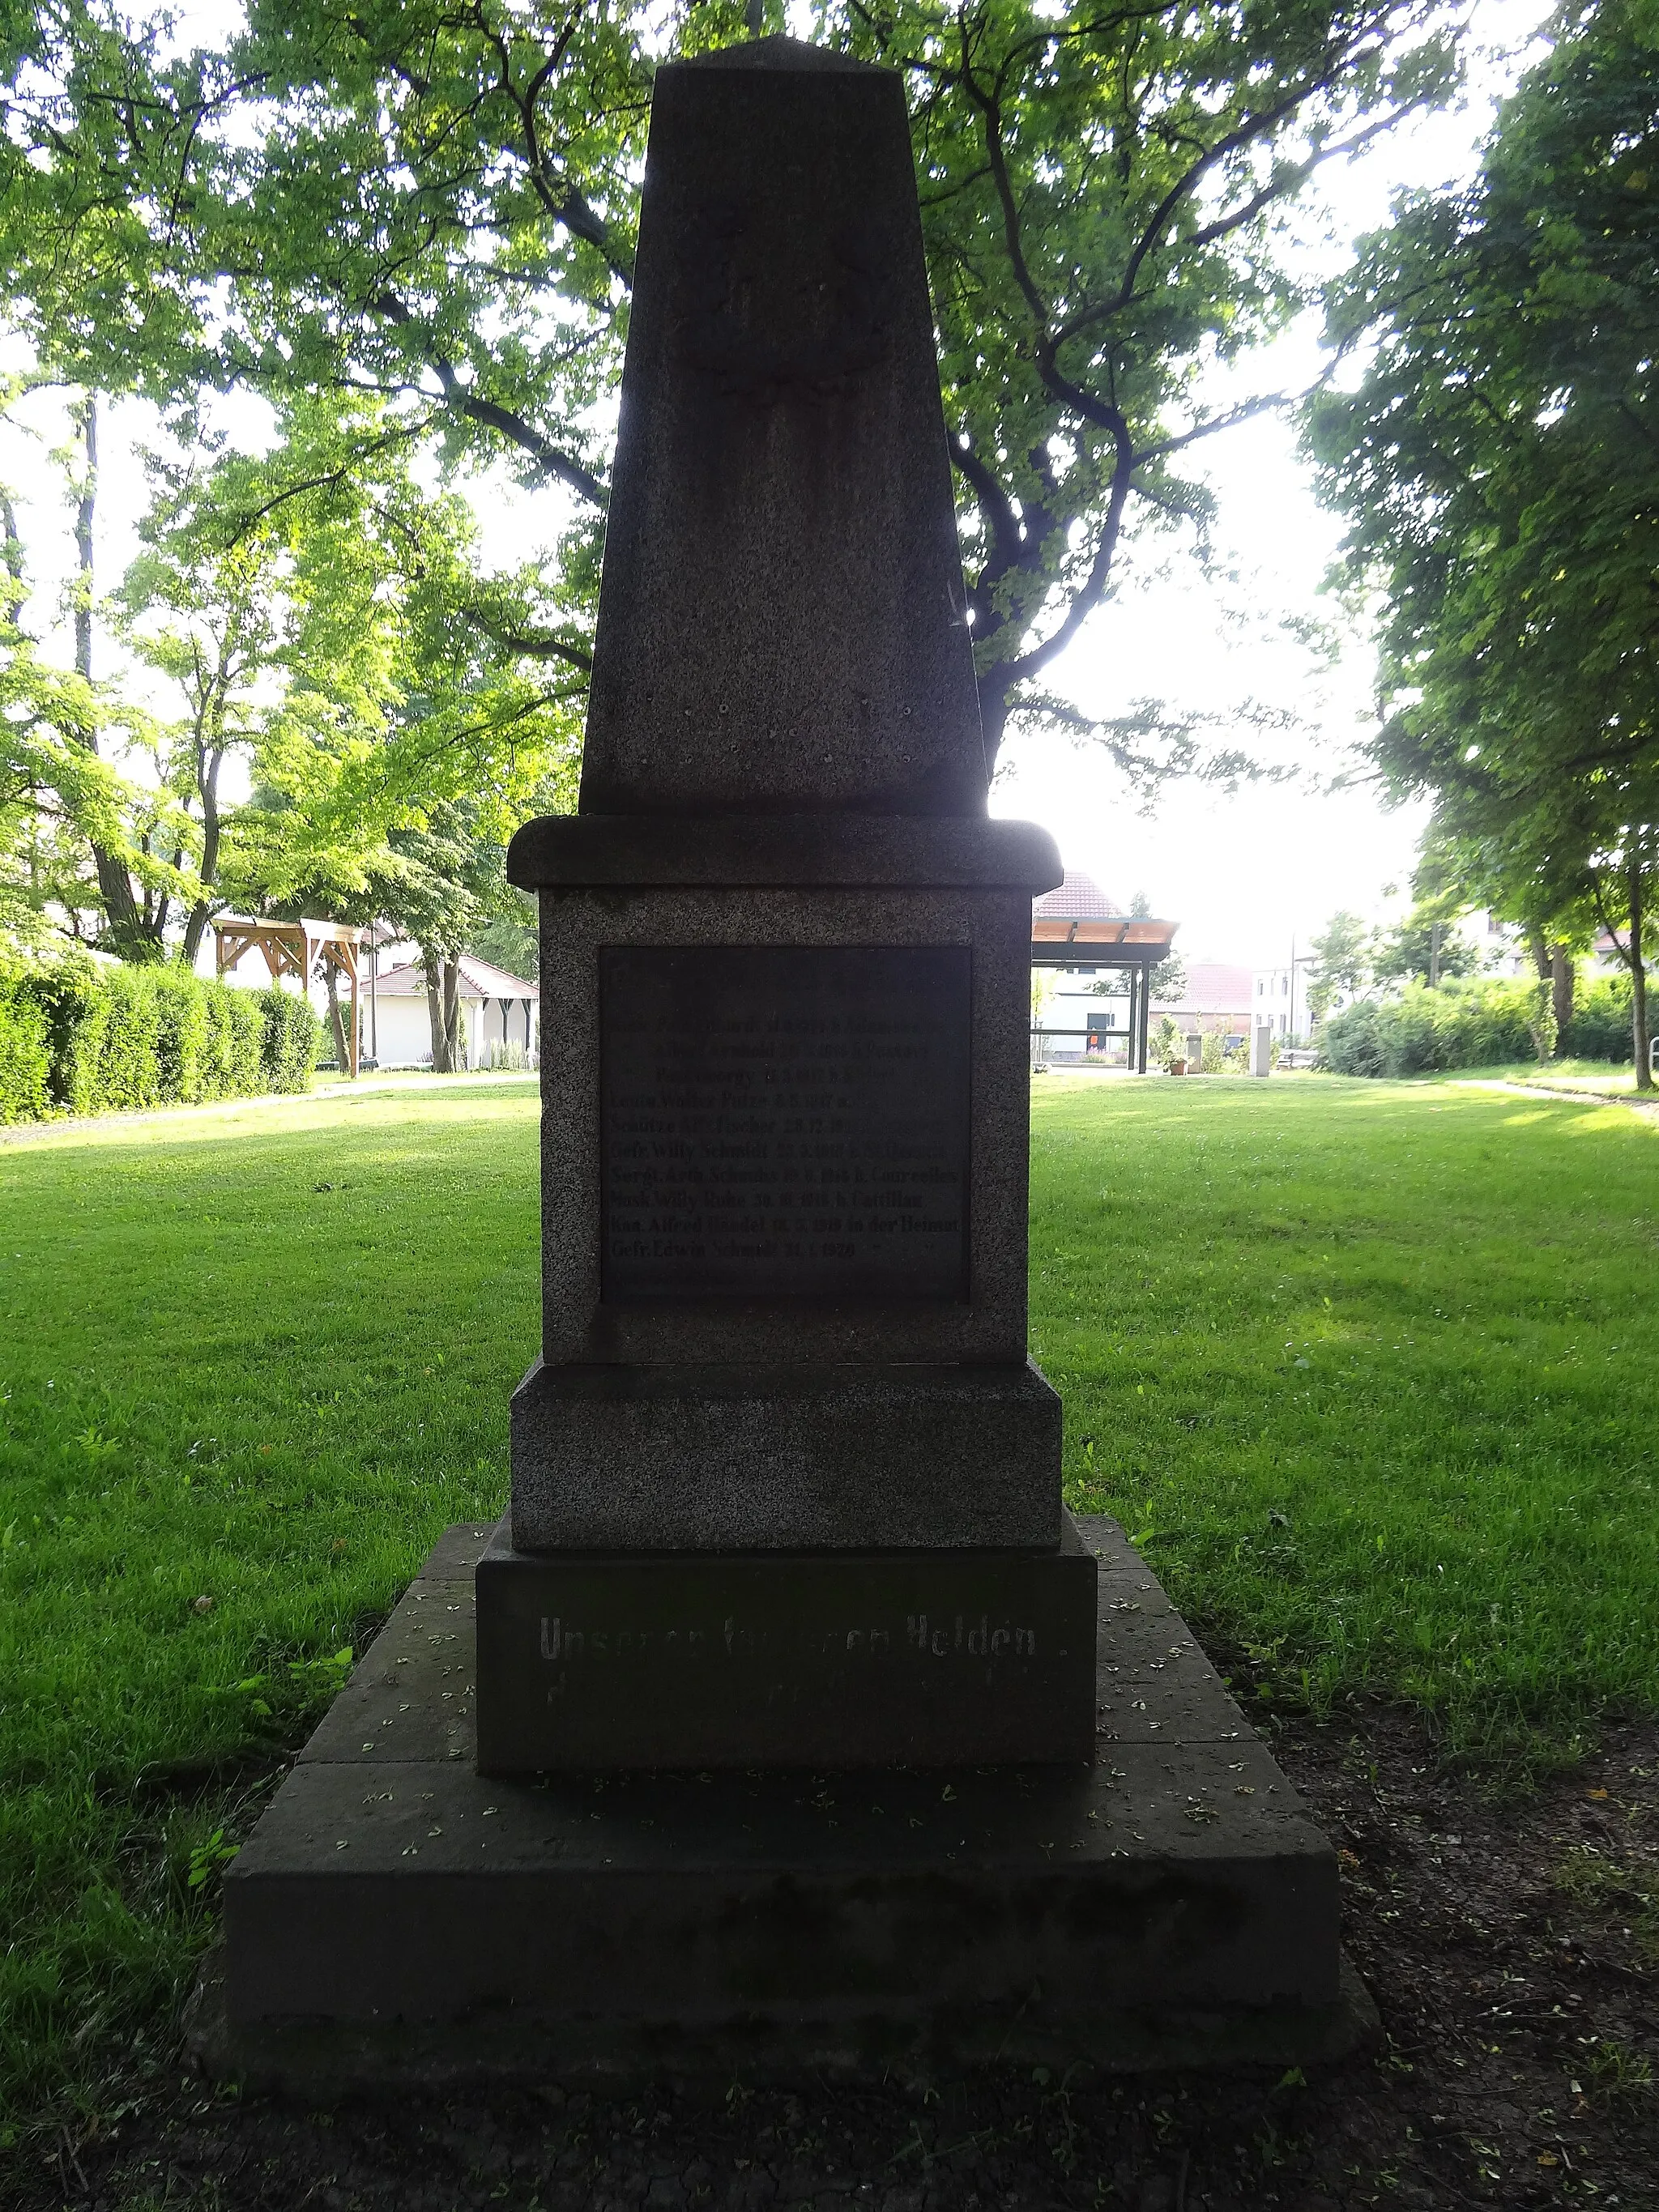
[{"x": 1243, "y": 874}]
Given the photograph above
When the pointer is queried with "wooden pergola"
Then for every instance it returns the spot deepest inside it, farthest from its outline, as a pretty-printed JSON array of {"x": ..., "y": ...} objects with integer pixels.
[
  {"x": 1133, "y": 942},
  {"x": 303, "y": 949}
]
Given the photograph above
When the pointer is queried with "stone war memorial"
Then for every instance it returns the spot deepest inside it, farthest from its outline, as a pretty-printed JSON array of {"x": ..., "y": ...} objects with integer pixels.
[{"x": 786, "y": 1720}]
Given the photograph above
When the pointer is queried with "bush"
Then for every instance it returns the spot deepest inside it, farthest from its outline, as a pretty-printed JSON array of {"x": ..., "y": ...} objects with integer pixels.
[
  {"x": 70, "y": 994},
  {"x": 128, "y": 1071},
  {"x": 233, "y": 1065},
  {"x": 25, "y": 1055},
  {"x": 1600, "y": 1028},
  {"x": 291, "y": 1039},
  {"x": 1468, "y": 1022},
  {"x": 78, "y": 1038}
]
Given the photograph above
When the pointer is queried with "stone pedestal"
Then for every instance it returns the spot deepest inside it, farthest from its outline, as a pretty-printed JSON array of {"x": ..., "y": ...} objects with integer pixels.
[
  {"x": 919, "y": 1657},
  {"x": 784, "y": 1193},
  {"x": 399, "y": 1918}
]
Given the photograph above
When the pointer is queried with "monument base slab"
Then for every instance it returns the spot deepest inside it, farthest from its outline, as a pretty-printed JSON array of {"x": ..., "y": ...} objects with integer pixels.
[
  {"x": 651, "y": 1660},
  {"x": 397, "y": 1917}
]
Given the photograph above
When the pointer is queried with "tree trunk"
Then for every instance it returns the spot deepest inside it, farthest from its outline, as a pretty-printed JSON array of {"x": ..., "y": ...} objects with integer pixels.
[
  {"x": 432, "y": 969},
  {"x": 207, "y": 783},
  {"x": 452, "y": 1016},
  {"x": 1638, "y": 970},
  {"x": 342, "y": 1047},
  {"x": 1563, "y": 981},
  {"x": 126, "y": 923}
]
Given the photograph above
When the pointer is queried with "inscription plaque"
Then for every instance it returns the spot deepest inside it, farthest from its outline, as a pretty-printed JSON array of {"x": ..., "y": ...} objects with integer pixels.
[{"x": 785, "y": 1121}]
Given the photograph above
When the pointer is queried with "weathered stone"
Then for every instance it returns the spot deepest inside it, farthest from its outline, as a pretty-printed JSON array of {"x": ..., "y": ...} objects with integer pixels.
[
  {"x": 801, "y": 852},
  {"x": 782, "y": 625},
  {"x": 398, "y": 1915},
  {"x": 749, "y": 1659},
  {"x": 580, "y": 1324},
  {"x": 678, "y": 1458}
]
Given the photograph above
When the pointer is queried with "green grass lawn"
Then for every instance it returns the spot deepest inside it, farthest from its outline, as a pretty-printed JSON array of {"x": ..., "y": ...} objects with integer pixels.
[
  {"x": 1598, "y": 1077},
  {"x": 1369, "y": 1369}
]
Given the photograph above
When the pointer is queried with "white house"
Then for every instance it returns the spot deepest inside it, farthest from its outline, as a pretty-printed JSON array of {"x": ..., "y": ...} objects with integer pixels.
[{"x": 501, "y": 1015}]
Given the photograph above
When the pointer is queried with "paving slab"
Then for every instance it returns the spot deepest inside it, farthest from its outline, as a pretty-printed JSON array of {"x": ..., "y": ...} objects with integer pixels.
[{"x": 399, "y": 1916}]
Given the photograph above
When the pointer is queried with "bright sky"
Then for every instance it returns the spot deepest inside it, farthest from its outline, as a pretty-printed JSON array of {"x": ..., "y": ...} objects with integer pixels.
[{"x": 1243, "y": 875}]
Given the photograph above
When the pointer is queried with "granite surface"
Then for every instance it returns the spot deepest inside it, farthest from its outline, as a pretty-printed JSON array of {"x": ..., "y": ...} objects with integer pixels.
[
  {"x": 1173, "y": 1899},
  {"x": 987, "y": 1327},
  {"x": 800, "y": 851},
  {"x": 728, "y": 1457},
  {"x": 661, "y": 1660},
  {"x": 782, "y": 625}
]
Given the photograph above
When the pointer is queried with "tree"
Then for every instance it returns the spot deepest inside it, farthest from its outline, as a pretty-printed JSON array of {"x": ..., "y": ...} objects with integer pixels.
[
  {"x": 1343, "y": 952},
  {"x": 83, "y": 837},
  {"x": 206, "y": 605},
  {"x": 313, "y": 609},
  {"x": 511, "y": 939},
  {"x": 1426, "y": 947},
  {"x": 1499, "y": 465},
  {"x": 436, "y": 205}
]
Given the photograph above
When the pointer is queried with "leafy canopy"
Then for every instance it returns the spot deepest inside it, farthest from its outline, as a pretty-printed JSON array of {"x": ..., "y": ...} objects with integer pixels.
[
  {"x": 433, "y": 207},
  {"x": 1499, "y": 461}
]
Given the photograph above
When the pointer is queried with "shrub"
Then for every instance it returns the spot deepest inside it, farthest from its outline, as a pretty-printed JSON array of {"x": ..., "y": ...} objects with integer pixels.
[
  {"x": 1600, "y": 1028},
  {"x": 1468, "y": 1022},
  {"x": 181, "y": 1035},
  {"x": 504, "y": 1052},
  {"x": 127, "y": 1074},
  {"x": 1353, "y": 1042},
  {"x": 1167, "y": 1043},
  {"x": 25, "y": 1055},
  {"x": 78, "y": 1038},
  {"x": 70, "y": 994},
  {"x": 290, "y": 1042}
]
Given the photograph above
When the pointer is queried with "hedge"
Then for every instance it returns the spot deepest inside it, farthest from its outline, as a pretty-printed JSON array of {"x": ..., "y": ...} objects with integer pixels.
[
  {"x": 78, "y": 1038},
  {"x": 1469, "y": 1023},
  {"x": 1600, "y": 1028}
]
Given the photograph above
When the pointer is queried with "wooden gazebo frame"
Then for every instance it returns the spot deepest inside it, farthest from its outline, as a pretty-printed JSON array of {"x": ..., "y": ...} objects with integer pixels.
[
  {"x": 1131, "y": 941},
  {"x": 300, "y": 949}
]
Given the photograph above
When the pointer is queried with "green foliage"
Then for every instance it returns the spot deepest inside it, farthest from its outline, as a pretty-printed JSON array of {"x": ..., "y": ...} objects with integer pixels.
[
  {"x": 1167, "y": 1043},
  {"x": 1426, "y": 946},
  {"x": 25, "y": 1054},
  {"x": 439, "y": 206},
  {"x": 291, "y": 1040},
  {"x": 1600, "y": 1028},
  {"x": 1462, "y": 1024},
  {"x": 1343, "y": 951},
  {"x": 511, "y": 939},
  {"x": 1499, "y": 465},
  {"x": 1541, "y": 1021},
  {"x": 115, "y": 1040}
]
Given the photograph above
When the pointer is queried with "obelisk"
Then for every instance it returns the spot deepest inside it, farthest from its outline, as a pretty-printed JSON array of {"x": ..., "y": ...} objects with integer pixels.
[
  {"x": 786, "y": 1490},
  {"x": 785, "y": 1484}
]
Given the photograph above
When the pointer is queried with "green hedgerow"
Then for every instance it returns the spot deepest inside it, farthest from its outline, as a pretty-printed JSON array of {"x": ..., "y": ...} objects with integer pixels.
[
  {"x": 79, "y": 1038},
  {"x": 291, "y": 1040},
  {"x": 25, "y": 1055}
]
